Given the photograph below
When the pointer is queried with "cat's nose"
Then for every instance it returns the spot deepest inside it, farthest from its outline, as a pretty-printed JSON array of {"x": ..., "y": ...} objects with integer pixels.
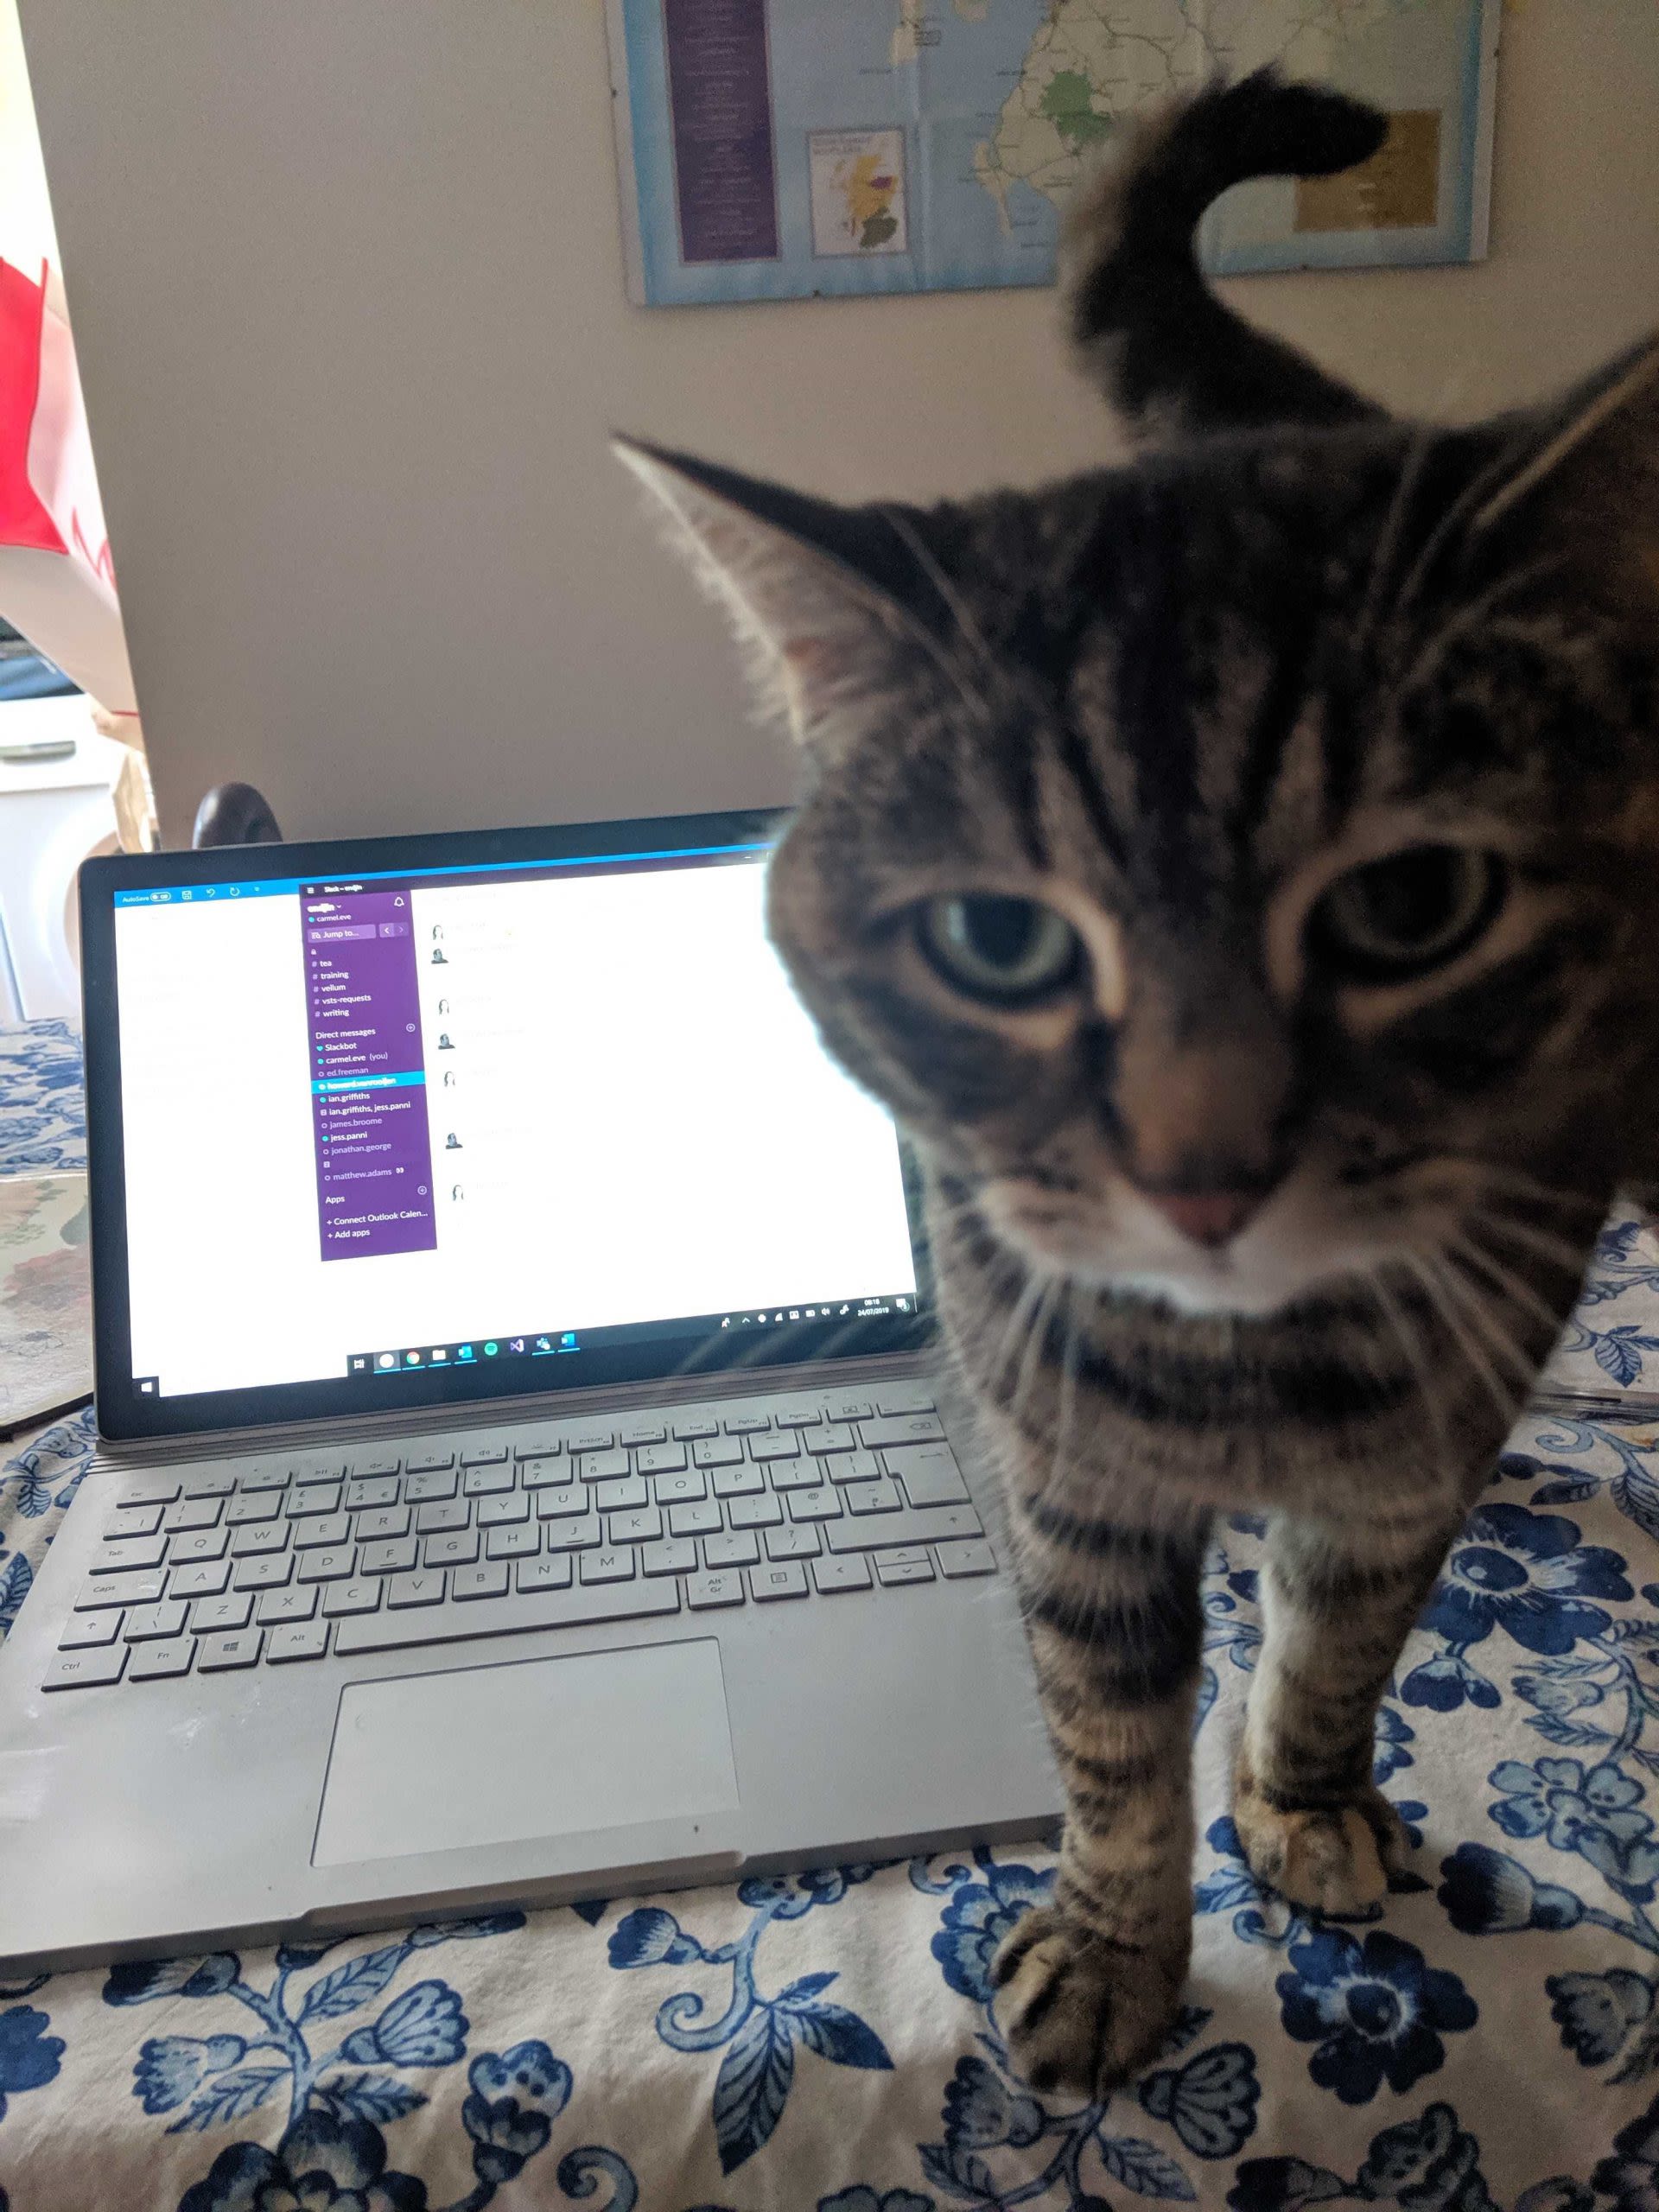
[{"x": 1210, "y": 1218}]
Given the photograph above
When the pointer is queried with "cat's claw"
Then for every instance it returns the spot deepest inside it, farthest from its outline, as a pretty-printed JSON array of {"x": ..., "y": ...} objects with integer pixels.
[
  {"x": 1334, "y": 1860},
  {"x": 1078, "y": 2012}
]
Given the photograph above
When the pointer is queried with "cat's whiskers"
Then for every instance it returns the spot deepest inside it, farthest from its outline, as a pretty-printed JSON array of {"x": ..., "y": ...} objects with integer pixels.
[
  {"x": 1575, "y": 1258},
  {"x": 1514, "y": 1286},
  {"x": 1399, "y": 1322},
  {"x": 1442, "y": 1297},
  {"x": 1388, "y": 544}
]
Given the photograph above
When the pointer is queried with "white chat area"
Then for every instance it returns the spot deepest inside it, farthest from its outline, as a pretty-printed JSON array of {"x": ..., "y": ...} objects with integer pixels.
[
  {"x": 646, "y": 1127},
  {"x": 644, "y": 1123}
]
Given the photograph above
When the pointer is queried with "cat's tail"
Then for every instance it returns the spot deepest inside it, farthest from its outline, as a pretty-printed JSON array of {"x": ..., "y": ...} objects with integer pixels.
[{"x": 1167, "y": 353}]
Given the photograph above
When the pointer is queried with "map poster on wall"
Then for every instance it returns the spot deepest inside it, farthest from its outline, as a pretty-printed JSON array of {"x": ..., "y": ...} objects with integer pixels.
[{"x": 774, "y": 150}]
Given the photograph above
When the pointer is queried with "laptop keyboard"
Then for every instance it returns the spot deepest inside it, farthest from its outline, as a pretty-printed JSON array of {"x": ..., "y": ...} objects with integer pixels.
[{"x": 281, "y": 1560}]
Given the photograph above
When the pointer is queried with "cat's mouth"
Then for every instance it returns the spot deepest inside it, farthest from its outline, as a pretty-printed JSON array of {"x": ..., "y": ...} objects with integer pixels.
[{"x": 1308, "y": 1233}]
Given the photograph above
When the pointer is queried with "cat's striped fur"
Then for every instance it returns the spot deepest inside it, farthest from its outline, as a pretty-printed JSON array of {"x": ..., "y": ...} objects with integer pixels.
[{"x": 1181, "y": 705}]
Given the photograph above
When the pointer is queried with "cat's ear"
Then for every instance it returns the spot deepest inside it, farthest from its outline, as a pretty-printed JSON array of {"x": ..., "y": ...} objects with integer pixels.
[
  {"x": 813, "y": 589},
  {"x": 1585, "y": 469}
]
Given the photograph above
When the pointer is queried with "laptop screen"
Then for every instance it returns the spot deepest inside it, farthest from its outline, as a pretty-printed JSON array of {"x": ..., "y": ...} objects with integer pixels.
[{"x": 478, "y": 1127}]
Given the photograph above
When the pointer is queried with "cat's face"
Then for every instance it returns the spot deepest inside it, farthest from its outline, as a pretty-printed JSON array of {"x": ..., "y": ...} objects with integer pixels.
[{"x": 1223, "y": 902}]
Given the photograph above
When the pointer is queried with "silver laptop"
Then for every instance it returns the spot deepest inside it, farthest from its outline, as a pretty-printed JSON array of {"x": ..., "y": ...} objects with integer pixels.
[{"x": 521, "y": 1474}]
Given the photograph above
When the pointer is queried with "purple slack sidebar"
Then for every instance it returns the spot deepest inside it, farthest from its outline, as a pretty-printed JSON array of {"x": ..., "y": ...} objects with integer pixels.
[
  {"x": 719, "y": 101},
  {"x": 368, "y": 1077}
]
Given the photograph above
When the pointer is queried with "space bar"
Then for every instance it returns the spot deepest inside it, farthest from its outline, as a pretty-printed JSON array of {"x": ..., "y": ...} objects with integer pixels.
[{"x": 449, "y": 1624}]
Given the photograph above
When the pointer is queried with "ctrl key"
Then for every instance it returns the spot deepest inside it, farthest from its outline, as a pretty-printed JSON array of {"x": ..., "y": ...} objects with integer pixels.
[{"x": 83, "y": 1670}]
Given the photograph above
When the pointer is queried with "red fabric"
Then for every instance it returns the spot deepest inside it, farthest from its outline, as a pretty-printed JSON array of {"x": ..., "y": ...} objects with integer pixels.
[{"x": 24, "y": 520}]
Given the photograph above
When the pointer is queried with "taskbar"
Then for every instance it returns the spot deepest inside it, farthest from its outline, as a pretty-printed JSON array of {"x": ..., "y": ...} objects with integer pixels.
[{"x": 559, "y": 1344}]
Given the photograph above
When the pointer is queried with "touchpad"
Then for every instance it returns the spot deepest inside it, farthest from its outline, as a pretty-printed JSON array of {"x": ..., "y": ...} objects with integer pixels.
[{"x": 532, "y": 1747}]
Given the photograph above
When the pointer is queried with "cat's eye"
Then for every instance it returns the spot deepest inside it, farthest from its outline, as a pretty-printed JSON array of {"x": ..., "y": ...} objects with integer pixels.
[
  {"x": 1005, "y": 952},
  {"x": 1403, "y": 916}
]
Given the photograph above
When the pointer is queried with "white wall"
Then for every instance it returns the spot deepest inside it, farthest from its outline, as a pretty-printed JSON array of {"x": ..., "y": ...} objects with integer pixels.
[{"x": 347, "y": 292}]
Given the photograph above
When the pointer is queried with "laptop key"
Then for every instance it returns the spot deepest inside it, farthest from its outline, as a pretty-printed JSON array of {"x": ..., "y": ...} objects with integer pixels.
[
  {"x": 559, "y": 1504},
  {"x": 205, "y": 1485},
  {"x": 422, "y": 1463},
  {"x": 79, "y": 1670},
  {"x": 929, "y": 1474},
  {"x": 673, "y": 1555},
  {"x": 197, "y": 1544},
  {"x": 420, "y": 1490},
  {"x": 543, "y": 1474},
  {"x": 762, "y": 1512},
  {"x": 231, "y": 1611},
  {"x": 575, "y": 1535},
  {"x": 119, "y": 1553},
  {"x": 259, "y": 1536},
  {"x": 796, "y": 1474},
  {"x": 297, "y": 1640},
  {"x": 910, "y": 1398},
  {"x": 486, "y": 1581},
  {"x": 312, "y": 1497},
  {"x": 718, "y": 1451},
  {"x": 836, "y": 1409},
  {"x": 192, "y": 1513},
  {"x": 551, "y": 1572},
  {"x": 241, "y": 1511},
  {"x": 643, "y": 1524},
  {"x": 957, "y": 1560},
  {"x": 685, "y": 1487},
  {"x": 438, "y": 1519},
  {"x": 204, "y": 1578},
  {"x": 392, "y": 1555},
  {"x": 81, "y": 1631},
  {"x": 660, "y": 1459},
  {"x": 763, "y": 1449},
  {"x": 592, "y": 1439},
  {"x": 700, "y": 1518},
  {"x": 689, "y": 1427},
  {"x": 793, "y": 1543},
  {"x": 297, "y": 1604},
  {"x": 455, "y": 1547},
  {"x": 830, "y": 1576},
  {"x": 616, "y": 1496},
  {"x": 607, "y": 1565},
  {"x": 539, "y": 1447},
  {"x": 821, "y": 1505},
  {"x": 218, "y": 1655},
  {"x": 150, "y": 1489},
  {"x": 831, "y": 1436},
  {"x": 152, "y": 1661},
  {"x": 575, "y": 1607},
  {"x": 894, "y": 1571},
  {"x": 270, "y": 1572},
  {"x": 357, "y": 1596},
  {"x": 497, "y": 1512},
  {"x": 483, "y": 1455},
  {"x": 322, "y": 1530},
  {"x": 880, "y": 1497},
  {"x": 333, "y": 1563},
  {"x": 368, "y": 1491},
  {"x": 745, "y": 1424},
  {"x": 378, "y": 1463},
  {"x": 381, "y": 1522},
  {"x": 486, "y": 1482},
  {"x": 739, "y": 1482},
  {"x": 423, "y": 1587},
  {"x": 253, "y": 1479},
  {"x": 133, "y": 1521},
  {"x": 796, "y": 1416},
  {"x": 120, "y": 1590},
  {"x": 853, "y": 1467},
  {"x": 599, "y": 1466},
  {"x": 742, "y": 1549},
  {"x": 786, "y": 1580},
  {"x": 147, "y": 1622},
  {"x": 906, "y": 1428},
  {"x": 936, "y": 1525},
  {"x": 522, "y": 1539},
  {"x": 646, "y": 1433},
  {"x": 705, "y": 1591}
]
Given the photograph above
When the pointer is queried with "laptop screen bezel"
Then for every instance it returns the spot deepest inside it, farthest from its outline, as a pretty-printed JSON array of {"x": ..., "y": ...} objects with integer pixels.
[{"x": 124, "y": 1414}]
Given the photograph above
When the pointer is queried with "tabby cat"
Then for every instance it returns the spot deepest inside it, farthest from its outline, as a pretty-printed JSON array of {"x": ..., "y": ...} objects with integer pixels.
[{"x": 1237, "y": 871}]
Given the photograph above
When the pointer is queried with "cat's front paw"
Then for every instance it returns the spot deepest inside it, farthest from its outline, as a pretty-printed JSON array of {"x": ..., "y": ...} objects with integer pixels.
[
  {"x": 1079, "y": 2010},
  {"x": 1330, "y": 1859}
]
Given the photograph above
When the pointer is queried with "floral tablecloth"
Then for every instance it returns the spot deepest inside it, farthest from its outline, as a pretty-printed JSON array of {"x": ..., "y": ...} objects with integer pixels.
[{"x": 829, "y": 2043}]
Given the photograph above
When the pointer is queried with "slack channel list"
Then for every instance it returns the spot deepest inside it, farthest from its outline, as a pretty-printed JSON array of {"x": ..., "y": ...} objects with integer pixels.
[{"x": 368, "y": 1076}]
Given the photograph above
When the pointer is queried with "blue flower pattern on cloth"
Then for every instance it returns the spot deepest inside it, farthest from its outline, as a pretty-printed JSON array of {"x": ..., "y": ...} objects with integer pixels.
[{"x": 828, "y": 2041}]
